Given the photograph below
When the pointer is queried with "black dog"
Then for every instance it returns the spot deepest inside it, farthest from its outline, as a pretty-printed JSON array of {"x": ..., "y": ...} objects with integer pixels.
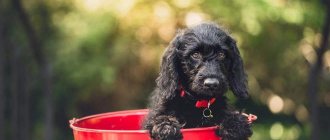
[{"x": 198, "y": 67}]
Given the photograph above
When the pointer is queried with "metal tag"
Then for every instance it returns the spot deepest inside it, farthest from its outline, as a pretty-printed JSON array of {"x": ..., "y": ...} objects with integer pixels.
[{"x": 207, "y": 113}]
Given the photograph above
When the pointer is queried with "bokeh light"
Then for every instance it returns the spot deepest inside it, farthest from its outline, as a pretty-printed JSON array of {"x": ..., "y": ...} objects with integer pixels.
[
  {"x": 276, "y": 131},
  {"x": 275, "y": 104},
  {"x": 289, "y": 106},
  {"x": 302, "y": 113},
  {"x": 294, "y": 132},
  {"x": 192, "y": 18},
  {"x": 183, "y": 3}
]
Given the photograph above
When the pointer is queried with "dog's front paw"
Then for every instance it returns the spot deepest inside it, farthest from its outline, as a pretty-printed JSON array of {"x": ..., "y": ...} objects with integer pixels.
[
  {"x": 235, "y": 127},
  {"x": 166, "y": 128}
]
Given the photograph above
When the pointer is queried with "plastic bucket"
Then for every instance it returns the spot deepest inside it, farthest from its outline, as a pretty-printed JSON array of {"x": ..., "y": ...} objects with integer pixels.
[{"x": 126, "y": 125}]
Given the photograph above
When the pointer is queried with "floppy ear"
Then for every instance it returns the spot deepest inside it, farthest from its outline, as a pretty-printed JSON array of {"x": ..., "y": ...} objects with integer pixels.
[
  {"x": 237, "y": 78},
  {"x": 168, "y": 81}
]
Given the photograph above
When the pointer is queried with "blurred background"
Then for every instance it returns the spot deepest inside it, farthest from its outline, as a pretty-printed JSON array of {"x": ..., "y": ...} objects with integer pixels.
[{"x": 61, "y": 59}]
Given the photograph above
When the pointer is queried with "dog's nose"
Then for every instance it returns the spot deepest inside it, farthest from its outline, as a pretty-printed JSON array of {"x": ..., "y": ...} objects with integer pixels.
[{"x": 211, "y": 82}]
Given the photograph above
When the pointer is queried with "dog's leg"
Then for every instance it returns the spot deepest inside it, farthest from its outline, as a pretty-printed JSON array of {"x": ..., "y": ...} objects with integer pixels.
[
  {"x": 165, "y": 128},
  {"x": 235, "y": 126}
]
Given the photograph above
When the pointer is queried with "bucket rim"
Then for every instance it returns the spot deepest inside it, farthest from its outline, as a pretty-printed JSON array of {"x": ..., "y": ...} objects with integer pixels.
[{"x": 74, "y": 122}]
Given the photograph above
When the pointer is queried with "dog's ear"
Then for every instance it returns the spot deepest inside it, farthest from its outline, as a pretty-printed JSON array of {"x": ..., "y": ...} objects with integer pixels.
[
  {"x": 168, "y": 81},
  {"x": 237, "y": 76}
]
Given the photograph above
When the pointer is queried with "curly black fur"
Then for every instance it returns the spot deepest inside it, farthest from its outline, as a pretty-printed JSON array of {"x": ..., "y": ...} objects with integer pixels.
[{"x": 204, "y": 62}]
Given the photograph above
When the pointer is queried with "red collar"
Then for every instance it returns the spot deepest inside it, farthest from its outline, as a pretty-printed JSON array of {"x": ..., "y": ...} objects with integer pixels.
[
  {"x": 199, "y": 103},
  {"x": 206, "y": 104}
]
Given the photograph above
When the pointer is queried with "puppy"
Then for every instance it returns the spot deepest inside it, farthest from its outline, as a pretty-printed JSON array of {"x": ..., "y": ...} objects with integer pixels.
[{"x": 199, "y": 66}]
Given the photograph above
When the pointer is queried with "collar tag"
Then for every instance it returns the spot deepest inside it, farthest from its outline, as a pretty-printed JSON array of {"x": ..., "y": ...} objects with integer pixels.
[{"x": 207, "y": 113}]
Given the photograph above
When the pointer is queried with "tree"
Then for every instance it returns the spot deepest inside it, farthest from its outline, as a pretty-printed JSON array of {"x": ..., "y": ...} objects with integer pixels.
[
  {"x": 2, "y": 90},
  {"x": 2, "y": 67},
  {"x": 313, "y": 80},
  {"x": 44, "y": 66}
]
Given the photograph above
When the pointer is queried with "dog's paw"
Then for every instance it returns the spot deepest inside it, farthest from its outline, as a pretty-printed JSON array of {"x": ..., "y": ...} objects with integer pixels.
[
  {"x": 235, "y": 127},
  {"x": 166, "y": 128}
]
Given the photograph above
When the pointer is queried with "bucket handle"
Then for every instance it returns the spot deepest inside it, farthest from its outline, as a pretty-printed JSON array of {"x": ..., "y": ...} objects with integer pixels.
[{"x": 73, "y": 120}]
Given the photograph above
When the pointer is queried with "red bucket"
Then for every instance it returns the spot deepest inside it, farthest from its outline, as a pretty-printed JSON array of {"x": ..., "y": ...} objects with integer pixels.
[{"x": 126, "y": 125}]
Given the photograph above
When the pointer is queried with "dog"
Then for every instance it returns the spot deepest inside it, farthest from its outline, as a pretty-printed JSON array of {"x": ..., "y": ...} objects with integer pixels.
[{"x": 198, "y": 67}]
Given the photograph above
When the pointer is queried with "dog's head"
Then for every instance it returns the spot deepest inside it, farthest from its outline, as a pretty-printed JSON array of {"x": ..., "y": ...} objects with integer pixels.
[{"x": 204, "y": 60}]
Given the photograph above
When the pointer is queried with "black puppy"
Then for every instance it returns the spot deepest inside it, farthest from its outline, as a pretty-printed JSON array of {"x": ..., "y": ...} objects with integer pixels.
[{"x": 198, "y": 67}]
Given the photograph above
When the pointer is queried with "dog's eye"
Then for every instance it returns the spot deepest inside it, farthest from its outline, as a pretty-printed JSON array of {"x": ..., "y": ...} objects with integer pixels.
[
  {"x": 196, "y": 55},
  {"x": 222, "y": 55}
]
